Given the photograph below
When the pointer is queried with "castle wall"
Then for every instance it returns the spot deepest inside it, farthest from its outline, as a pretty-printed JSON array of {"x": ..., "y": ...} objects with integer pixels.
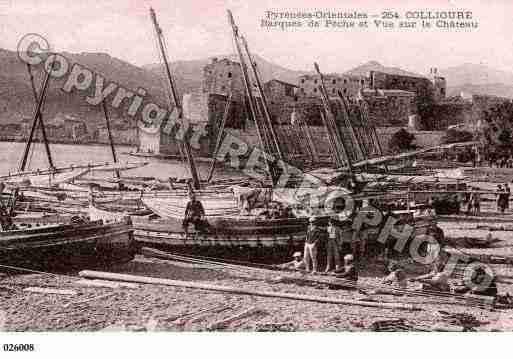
[
  {"x": 390, "y": 107},
  {"x": 308, "y": 85}
]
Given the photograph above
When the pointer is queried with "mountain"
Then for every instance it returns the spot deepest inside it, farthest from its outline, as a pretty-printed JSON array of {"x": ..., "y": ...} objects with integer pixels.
[
  {"x": 17, "y": 99},
  {"x": 363, "y": 70},
  {"x": 472, "y": 74},
  {"x": 189, "y": 73},
  {"x": 496, "y": 89},
  {"x": 478, "y": 79}
]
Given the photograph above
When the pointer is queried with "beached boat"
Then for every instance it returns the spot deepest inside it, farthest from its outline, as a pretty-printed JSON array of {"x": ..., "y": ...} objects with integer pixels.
[
  {"x": 287, "y": 234},
  {"x": 59, "y": 245}
]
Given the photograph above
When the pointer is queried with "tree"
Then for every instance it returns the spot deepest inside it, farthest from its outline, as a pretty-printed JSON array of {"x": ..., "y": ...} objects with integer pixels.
[
  {"x": 453, "y": 136},
  {"x": 401, "y": 141}
]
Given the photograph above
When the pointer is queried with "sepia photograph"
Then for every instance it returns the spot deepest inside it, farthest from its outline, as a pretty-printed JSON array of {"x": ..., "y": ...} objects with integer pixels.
[{"x": 255, "y": 167}]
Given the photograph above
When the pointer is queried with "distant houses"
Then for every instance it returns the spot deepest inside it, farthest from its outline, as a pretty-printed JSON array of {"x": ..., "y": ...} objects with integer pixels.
[{"x": 65, "y": 128}]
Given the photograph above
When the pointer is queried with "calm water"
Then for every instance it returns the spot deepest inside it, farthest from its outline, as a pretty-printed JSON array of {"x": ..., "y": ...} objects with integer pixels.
[{"x": 63, "y": 155}]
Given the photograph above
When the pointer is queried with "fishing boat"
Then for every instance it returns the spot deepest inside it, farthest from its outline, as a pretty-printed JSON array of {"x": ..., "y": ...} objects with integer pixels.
[
  {"x": 40, "y": 241},
  {"x": 35, "y": 245}
]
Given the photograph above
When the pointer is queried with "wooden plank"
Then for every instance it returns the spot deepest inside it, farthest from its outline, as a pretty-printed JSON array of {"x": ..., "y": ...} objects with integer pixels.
[
  {"x": 241, "y": 291},
  {"x": 50, "y": 291},
  {"x": 106, "y": 284}
]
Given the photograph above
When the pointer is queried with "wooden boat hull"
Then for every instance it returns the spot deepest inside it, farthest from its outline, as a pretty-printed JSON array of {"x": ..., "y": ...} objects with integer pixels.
[
  {"x": 287, "y": 234},
  {"x": 61, "y": 245}
]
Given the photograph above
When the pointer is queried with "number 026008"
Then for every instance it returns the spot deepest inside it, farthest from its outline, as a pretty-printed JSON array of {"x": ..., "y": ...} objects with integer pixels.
[{"x": 18, "y": 347}]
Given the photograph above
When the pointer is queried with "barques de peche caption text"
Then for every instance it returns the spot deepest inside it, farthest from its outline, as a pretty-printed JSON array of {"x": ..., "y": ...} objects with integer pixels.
[{"x": 380, "y": 20}]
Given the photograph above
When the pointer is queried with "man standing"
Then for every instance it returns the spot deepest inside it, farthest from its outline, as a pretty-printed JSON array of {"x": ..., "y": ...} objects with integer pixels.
[
  {"x": 195, "y": 214},
  {"x": 507, "y": 195},
  {"x": 332, "y": 247},
  {"x": 314, "y": 236},
  {"x": 500, "y": 198}
]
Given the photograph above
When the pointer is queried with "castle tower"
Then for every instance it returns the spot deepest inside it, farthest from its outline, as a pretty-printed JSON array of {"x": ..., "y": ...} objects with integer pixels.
[
  {"x": 439, "y": 84},
  {"x": 222, "y": 77}
]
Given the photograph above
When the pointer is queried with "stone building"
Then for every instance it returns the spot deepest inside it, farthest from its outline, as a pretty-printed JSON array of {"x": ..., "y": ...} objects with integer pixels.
[
  {"x": 203, "y": 113},
  {"x": 433, "y": 88},
  {"x": 439, "y": 85},
  {"x": 390, "y": 107},
  {"x": 387, "y": 81},
  {"x": 222, "y": 77},
  {"x": 11, "y": 131},
  {"x": 279, "y": 91},
  {"x": 308, "y": 85},
  {"x": 123, "y": 133},
  {"x": 61, "y": 128}
]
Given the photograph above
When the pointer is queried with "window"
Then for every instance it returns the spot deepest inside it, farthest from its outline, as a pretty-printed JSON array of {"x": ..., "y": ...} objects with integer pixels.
[
  {"x": 223, "y": 88},
  {"x": 334, "y": 82},
  {"x": 362, "y": 82},
  {"x": 302, "y": 90},
  {"x": 229, "y": 74},
  {"x": 345, "y": 81},
  {"x": 315, "y": 89},
  {"x": 442, "y": 91},
  {"x": 315, "y": 81},
  {"x": 345, "y": 91},
  {"x": 302, "y": 81},
  {"x": 334, "y": 91}
]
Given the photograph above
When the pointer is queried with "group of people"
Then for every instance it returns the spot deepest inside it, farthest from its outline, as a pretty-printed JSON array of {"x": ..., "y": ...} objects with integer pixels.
[
  {"x": 334, "y": 244},
  {"x": 501, "y": 162},
  {"x": 473, "y": 201},
  {"x": 503, "y": 195}
]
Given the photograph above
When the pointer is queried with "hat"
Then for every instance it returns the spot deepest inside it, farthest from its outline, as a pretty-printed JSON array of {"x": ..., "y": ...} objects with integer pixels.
[
  {"x": 296, "y": 254},
  {"x": 348, "y": 258},
  {"x": 313, "y": 219}
]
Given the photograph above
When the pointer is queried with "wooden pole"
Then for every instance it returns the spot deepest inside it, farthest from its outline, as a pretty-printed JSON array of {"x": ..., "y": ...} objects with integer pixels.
[
  {"x": 40, "y": 115},
  {"x": 242, "y": 291},
  {"x": 111, "y": 142},
  {"x": 35, "y": 117},
  {"x": 349, "y": 125},
  {"x": 220, "y": 136},
  {"x": 330, "y": 115},
  {"x": 247, "y": 83},
  {"x": 267, "y": 115},
  {"x": 185, "y": 145}
]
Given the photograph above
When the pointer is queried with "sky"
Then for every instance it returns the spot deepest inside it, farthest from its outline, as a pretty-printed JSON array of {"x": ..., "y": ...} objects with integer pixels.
[{"x": 197, "y": 29}]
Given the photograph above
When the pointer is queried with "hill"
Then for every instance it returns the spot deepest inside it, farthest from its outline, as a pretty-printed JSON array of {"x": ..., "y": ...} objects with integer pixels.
[
  {"x": 472, "y": 74},
  {"x": 363, "y": 70},
  {"x": 189, "y": 73}
]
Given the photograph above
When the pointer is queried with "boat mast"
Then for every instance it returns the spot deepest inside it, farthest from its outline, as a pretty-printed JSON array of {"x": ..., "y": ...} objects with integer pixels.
[
  {"x": 331, "y": 120},
  {"x": 35, "y": 116},
  {"x": 247, "y": 82},
  {"x": 220, "y": 136},
  {"x": 41, "y": 124},
  {"x": 111, "y": 142},
  {"x": 267, "y": 116},
  {"x": 184, "y": 145}
]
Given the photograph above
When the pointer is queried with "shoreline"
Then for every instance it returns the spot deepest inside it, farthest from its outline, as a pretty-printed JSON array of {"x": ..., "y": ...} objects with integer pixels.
[{"x": 88, "y": 143}]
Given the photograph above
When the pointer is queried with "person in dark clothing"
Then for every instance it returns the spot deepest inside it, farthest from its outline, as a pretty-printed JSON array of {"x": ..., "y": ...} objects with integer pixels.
[
  {"x": 195, "y": 214},
  {"x": 349, "y": 272},
  {"x": 315, "y": 236},
  {"x": 507, "y": 195},
  {"x": 480, "y": 276}
]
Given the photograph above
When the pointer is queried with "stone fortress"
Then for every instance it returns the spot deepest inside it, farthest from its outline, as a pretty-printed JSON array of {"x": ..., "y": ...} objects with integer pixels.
[{"x": 393, "y": 99}]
